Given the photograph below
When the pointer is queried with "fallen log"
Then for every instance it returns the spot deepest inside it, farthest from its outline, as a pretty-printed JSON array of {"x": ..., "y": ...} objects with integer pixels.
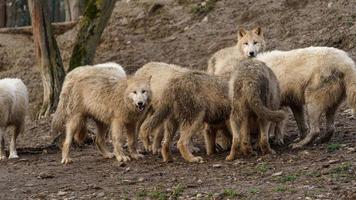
[{"x": 58, "y": 28}]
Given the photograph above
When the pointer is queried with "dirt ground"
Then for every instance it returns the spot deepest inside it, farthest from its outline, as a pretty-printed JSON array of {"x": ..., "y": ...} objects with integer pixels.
[{"x": 179, "y": 32}]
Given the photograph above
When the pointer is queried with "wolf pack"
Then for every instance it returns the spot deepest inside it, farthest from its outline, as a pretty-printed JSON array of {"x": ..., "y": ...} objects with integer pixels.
[{"x": 239, "y": 103}]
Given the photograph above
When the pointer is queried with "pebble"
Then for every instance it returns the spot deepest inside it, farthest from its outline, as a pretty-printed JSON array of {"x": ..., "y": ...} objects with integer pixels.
[
  {"x": 141, "y": 179},
  {"x": 200, "y": 181},
  {"x": 199, "y": 195},
  {"x": 308, "y": 198},
  {"x": 62, "y": 193},
  {"x": 333, "y": 161},
  {"x": 350, "y": 150},
  {"x": 277, "y": 174},
  {"x": 217, "y": 165},
  {"x": 101, "y": 194},
  {"x": 206, "y": 19},
  {"x": 44, "y": 175},
  {"x": 127, "y": 169}
]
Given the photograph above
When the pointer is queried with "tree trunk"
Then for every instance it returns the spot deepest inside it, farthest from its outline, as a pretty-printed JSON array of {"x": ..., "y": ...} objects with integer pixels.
[
  {"x": 67, "y": 13},
  {"x": 2, "y": 13},
  {"x": 48, "y": 57},
  {"x": 75, "y": 9},
  {"x": 92, "y": 25},
  {"x": 54, "y": 10}
]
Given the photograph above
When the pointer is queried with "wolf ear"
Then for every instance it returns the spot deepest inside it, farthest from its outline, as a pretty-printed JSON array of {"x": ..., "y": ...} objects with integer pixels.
[
  {"x": 241, "y": 32},
  {"x": 258, "y": 31}
]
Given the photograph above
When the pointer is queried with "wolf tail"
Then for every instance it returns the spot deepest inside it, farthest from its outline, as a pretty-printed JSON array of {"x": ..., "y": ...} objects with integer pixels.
[
  {"x": 59, "y": 118},
  {"x": 260, "y": 109}
]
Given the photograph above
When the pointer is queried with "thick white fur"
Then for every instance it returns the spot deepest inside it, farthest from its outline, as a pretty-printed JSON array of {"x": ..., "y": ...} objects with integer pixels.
[
  {"x": 120, "y": 69},
  {"x": 319, "y": 78},
  {"x": 13, "y": 109}
]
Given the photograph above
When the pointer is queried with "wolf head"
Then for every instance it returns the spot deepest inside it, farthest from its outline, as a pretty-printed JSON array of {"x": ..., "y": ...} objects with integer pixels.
[
  {"x": 250, "y": 43},
  {"x": 138, "y": 93}
]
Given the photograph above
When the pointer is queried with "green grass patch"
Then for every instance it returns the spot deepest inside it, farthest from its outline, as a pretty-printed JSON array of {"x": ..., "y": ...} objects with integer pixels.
[
  {"x": 341, "y": 168},
  {"x": 229, "y": 193},
  {"x": 177, "y": 191},
  {"x": 280, "y": 188},
  {"x": 254, "y": 190},
  {"x": 262, "y": 168},
  {"x": 154, "y": 194},
  {"x": 287, "y": 178},
  {"x": 333, "y": 147}
]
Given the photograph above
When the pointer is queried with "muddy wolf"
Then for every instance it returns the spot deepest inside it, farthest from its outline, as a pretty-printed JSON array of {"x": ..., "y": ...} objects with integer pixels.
[
  {"x": 255, "y": 102},
  {"x": 110, "y": 99},
  {"x": 191, "y": 102}
]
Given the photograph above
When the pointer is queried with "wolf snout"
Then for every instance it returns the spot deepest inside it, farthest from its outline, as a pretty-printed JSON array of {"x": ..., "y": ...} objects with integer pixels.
[{"x": 251, "y": 54}]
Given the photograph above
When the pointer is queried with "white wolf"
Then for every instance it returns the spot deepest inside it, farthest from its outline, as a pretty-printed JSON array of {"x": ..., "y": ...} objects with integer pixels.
[
  {"x": 13, "y": 109},
  {"x": 319, "y": 78}
]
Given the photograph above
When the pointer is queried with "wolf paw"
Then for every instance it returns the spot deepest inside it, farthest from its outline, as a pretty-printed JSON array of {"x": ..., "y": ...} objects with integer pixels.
[
  {"x": 108, "y": 155},
  {"x": 13, "y": 156},
  {"x": 156, "y": 150},
  {"x": 137, "y": 156},
  {"x": 66, "y": 161},
  {"x": 230, "y": 158},
  {"x": 123, "y": 158},
  {"x": 2, "y": 158},
  {"x": 197, "y": 159},
  {"x": 296, "y": 146}
]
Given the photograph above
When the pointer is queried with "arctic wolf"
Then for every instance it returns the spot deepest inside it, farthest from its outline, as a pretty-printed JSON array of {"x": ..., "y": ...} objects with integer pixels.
[
  {"x": 110, "y": 99},
  {"x": 255, "y": 98},
  {"x": 249, "y": 44},
  {"x": 13, "y": 109},
  {"x": 191, "y": 101},
  {"x": 161, "y": 74},
  {"x": 319, "y": 78}
]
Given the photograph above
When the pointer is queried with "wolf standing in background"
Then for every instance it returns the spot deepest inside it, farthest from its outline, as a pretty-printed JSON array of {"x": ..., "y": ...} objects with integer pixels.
[
  {"x": 255, "y": 98},
  {"x": 13, "y": 109},
  {"x": 249, "y": 44},
  {"x": 110, "y": 99}
]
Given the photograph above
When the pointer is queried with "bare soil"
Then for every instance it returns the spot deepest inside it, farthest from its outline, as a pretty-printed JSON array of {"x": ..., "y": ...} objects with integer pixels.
[{"x": 172, "y": 33}]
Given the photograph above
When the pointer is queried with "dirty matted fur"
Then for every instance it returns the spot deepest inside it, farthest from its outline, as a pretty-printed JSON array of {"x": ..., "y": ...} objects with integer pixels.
[
  {"x": 13, "y": 109},
  {"x": 110, "y": 100},
  {"x": 255, "y": 98},
  {"x": 191, "y": 101},
  {"x": 319, "y": 78},
  {"x": 160, "y": 73}
]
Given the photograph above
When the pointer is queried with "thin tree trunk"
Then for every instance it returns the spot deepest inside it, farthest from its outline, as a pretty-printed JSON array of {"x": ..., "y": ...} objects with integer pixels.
[
  {"x": 68, "y": 15},
  {"x": 48, "y": 57},
  {"x": 2, "y": 13},
  {"x": 75, "y": 9},
  {"x": 92, "y": 25}
]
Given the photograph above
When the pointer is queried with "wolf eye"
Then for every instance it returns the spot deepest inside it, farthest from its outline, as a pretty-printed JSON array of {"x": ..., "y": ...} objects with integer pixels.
[
  {"x": 245, "y": 43},
  {"x": 134, "y": 92},
  {"x": 143, "y": 91},
  {"x": 255, "y": 42}
]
